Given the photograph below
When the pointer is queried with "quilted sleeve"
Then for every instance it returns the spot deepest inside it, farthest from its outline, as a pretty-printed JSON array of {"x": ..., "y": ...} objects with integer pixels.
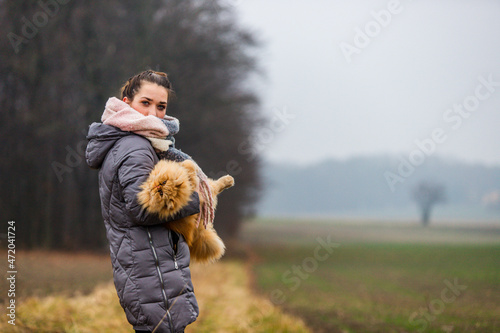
[{"x": 132, "y": 172}]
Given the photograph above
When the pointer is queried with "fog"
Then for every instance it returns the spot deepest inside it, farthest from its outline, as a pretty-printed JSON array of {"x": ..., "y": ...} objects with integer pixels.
[{"x": 378, "y": 77}]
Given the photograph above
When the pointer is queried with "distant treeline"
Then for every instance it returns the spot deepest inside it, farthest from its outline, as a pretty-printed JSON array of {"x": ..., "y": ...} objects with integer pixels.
[
  {"x": 360, "y": 185},
  {"x": 59, "y": 63}
]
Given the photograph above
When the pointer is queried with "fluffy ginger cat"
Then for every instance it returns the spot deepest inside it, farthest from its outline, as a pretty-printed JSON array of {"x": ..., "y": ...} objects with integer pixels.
[{"x": 168, "y": 189}]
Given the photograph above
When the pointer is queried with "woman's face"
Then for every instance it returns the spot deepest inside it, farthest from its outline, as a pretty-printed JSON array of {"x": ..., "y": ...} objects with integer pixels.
[{"x": 151, "y": 99}]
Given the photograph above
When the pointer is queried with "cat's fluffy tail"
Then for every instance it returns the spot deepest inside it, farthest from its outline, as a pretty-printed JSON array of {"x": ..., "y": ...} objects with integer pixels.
[{"x": 208, "y": 246}]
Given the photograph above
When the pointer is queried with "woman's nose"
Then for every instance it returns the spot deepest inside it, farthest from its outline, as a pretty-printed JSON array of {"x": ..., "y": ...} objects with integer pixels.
[{"x": 151, "y": 111}]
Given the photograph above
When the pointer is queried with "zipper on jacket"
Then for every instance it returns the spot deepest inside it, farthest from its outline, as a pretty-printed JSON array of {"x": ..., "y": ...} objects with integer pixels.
[
  {"x": 157, "y": 264},
  {"x": 175, "y": 256}
]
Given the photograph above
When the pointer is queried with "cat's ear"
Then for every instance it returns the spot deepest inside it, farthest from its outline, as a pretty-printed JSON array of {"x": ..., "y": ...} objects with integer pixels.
[{"x": 189, "y": 165}]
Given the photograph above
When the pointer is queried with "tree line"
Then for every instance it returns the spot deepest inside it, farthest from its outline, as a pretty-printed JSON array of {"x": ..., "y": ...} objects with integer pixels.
[{"x": 59, "y": 63}]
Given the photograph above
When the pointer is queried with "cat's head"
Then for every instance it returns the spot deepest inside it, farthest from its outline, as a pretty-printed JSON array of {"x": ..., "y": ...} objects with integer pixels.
[{"x": 169, "y": 187}]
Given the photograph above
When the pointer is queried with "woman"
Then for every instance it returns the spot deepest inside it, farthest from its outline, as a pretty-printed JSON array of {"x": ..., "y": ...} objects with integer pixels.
[{"x": 150, "y": 262}]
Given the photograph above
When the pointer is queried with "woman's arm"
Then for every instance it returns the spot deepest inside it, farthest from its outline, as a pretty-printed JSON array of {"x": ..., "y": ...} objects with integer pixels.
[
  {"x": 193, "y": 207},
  {"x": 132, "y": 173}
]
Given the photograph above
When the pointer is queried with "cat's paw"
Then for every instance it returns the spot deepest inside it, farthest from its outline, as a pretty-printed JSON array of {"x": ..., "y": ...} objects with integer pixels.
[{"x": 227, "y": 181}]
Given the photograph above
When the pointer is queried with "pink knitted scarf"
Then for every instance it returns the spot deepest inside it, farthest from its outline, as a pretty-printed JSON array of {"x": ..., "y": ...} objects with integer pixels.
[{"x": 119, "y": 114}]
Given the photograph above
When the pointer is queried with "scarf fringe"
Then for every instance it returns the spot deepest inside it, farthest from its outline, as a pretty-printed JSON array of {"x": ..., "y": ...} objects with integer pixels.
[{"x": 207, "y": 209}]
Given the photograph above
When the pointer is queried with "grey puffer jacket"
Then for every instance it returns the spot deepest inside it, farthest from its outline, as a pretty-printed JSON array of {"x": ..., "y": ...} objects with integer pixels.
[{"x": 150, "y": 263}]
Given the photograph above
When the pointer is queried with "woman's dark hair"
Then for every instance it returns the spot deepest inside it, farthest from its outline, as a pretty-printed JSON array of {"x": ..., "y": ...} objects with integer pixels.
[{"x": 133, "y": 84}]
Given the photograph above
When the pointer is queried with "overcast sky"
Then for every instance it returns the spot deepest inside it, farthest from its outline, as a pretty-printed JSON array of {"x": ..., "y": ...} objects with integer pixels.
[{"x": 378, "y": 91}]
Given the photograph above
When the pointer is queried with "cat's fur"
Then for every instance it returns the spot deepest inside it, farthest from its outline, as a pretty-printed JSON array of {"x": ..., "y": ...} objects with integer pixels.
[{"x": 168, "y": 189}]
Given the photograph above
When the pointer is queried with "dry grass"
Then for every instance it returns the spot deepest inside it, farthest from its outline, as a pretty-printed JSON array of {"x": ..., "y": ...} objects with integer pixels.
[
  {"x": 96, "y": 312},
  {"x": 226, "y": 301},
  {"x": 228, "y": 305}
]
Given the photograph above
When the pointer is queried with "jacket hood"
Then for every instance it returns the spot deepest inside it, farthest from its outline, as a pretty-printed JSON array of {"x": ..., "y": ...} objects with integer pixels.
[{"x": 101, "y": 139}]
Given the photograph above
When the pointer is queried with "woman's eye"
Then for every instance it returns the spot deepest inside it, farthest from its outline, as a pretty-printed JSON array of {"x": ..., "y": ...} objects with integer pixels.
[
  {"x": 146, "y": 103},
  {"x": 161, "y": 107}
]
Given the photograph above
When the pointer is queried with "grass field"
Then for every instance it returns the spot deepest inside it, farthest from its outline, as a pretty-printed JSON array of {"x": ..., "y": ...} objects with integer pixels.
[{"x": 379, "y": 277}]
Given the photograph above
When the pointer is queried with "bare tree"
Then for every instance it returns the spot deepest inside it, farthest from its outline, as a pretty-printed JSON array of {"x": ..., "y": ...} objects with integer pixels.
[{"x": 427, "y": 195}]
